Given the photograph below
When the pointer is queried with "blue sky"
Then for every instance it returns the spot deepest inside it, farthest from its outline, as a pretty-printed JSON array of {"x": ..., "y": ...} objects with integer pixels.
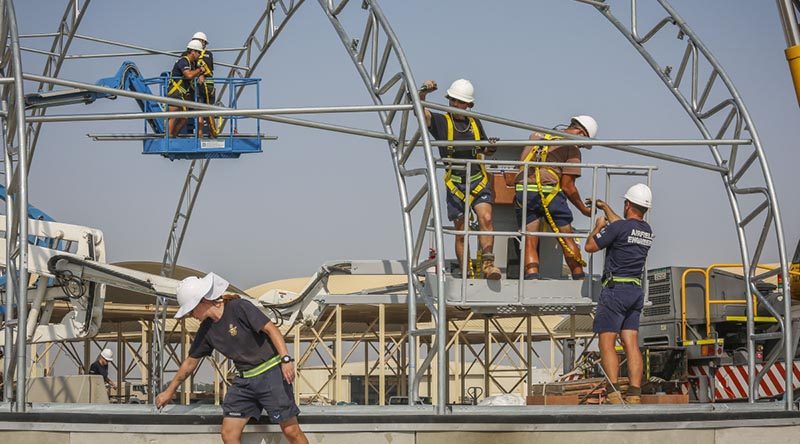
[{"x": 314, "y": 196}]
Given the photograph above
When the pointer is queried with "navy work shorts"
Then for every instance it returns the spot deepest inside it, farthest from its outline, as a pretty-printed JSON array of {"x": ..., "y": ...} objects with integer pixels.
[
  {"x": 558, "y": 207},
  {"x": 247, "y": 397},
  {"x": 455, "y": 206},
  {"x": 618, "y": 308}
]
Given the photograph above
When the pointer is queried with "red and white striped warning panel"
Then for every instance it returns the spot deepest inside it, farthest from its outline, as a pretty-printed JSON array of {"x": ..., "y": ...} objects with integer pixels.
[{"x": 730, "y": 381}]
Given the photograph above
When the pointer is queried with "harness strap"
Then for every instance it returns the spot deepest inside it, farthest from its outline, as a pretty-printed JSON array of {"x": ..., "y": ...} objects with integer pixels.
[
  {"x": 449, "y": 179},
  {"x": 535, "y": 188},
  {"x": 261, "y": 368},
  {"x": 622, "y": 280},
  {"x": 540, "y": 152},
  {"x": 177, "y": 85}
]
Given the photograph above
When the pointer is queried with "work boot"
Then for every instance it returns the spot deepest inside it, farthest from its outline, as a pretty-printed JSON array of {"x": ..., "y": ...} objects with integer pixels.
[
  {"x": 633, "y": 399},
  {"x": 614, "y": 398},
  {"x": 634, "y": 395},
  {"x": 489, "y": 270}
]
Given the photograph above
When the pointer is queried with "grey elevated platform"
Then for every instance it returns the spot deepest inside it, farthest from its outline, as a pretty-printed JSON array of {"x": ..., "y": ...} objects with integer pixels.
[{"x": 504, "y": 297}]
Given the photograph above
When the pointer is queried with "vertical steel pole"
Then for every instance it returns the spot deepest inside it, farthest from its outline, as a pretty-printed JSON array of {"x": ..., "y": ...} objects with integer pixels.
[{"x": 21, "y": 191}]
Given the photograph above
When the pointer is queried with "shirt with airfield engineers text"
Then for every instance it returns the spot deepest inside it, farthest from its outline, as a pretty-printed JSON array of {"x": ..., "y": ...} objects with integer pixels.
[
  {"x": 237, "y": 334},
  {"x": 626, "y": 242}
]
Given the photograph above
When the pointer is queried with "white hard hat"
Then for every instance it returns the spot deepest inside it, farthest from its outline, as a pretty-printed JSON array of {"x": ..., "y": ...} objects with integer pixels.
[
  {"x": 107, "y": 354},
  {"x": 193, "y": 289},
  {"x": 588, "y": 123},
  {"x": 640, "y": 194},
  {"x": 200, "y": 36},
  {"x": 195, "y": 44},
  {"x": 462, "y": 90}
]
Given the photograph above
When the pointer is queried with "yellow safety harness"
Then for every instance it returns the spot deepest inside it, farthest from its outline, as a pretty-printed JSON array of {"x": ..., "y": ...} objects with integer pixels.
[
  {"x": 213, "y": 125},
  {"x": 261, "y": 368},
  {"x": 540, "y": 153},
  {"x": 178, "y": 84},
  {"x": 449, "y": 179}
]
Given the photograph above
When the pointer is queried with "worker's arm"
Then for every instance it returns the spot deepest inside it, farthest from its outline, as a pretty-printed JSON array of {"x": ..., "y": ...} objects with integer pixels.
[
  {"x": 591, "y": 243},
  {"x": 277, "y": 340},
  {"x": 186, "y": 370},
  {"x": 428, "y": 86},
  {"x": 610, "y": 214},
  {"x": 572, "y": 193},
  {"x": 192, "y": 73}
]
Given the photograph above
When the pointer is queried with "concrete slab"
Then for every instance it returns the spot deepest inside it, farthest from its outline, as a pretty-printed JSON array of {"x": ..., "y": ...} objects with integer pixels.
[
  {"x": 639, "y": 437},
  {"x": 761, "y": 435},
  {"x": 19, "y": 437}
]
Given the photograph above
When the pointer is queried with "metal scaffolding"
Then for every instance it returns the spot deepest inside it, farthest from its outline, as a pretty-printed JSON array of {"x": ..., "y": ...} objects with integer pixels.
[{"x": 711, "y": 102}]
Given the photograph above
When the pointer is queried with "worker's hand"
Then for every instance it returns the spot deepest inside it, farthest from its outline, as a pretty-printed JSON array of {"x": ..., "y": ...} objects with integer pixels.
[
  {"x": 489, "y": 150},
  {"x": 428, "y": 86},
  {"x": 600, "y": 222},
  {"x": 601, "y": 205},
  {"x": 164, "y": 398},
  {"x": 536, "y": 136},
  {"x": 201, "y": 79},
  {"x": 288, "y": 372}
]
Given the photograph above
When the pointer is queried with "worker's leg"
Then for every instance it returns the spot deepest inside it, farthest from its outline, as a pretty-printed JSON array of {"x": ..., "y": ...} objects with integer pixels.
[
  {"x": 532, "y": 250},
  {"x": 630, "y": 342},
  {"x": 608, "y": 355},
  {"x": 533, "y": 223},
  {"x": 484, "y": 212},
  {"x": 200, "y": 124},
  {"x": 572, "y": 260},
  {"x": 633, "y": 298},
  {"x": 232, "y": 429},
  {"x": 455, "y": 214},
  {"x": 174, "y": 124},
  {"x": 459, "y": 225},
  {"x": 291, "y": 430}
]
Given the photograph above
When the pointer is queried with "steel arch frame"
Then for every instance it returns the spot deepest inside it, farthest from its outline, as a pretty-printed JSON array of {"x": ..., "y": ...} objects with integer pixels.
[
  {"x": 403, "y": 85},
  {"x": 272, "y": 28},
  {"x": 695, "y": 106}
]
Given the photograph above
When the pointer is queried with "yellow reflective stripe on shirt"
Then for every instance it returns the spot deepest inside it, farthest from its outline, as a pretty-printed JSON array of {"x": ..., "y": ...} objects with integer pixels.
[
  {"x": 261, "y": 368},
  {"x": 545, "y": 188}
]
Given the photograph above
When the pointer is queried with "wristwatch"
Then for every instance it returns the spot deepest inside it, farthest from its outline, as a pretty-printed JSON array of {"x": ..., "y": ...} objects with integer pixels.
[{"x": 285, "y": 359}]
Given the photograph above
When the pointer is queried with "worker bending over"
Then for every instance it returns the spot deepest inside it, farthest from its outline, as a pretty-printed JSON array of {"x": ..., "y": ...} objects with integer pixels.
[
  {"x": 100, "y": 366},
  {"x": 549, "y": 188},
  {"x": 459, "y": 127},
  {"x": 180, "y": 83},
  {"x": 627, "y": 242},
  {"x": 240, "y": 331}
]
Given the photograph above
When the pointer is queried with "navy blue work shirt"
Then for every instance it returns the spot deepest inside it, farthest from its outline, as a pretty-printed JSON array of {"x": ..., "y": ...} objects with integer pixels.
[
  {"x": 462, "y": 130},
  {"x": 627, "y": 242},
  {"x": 237, "y": 335},
  {"x": 97, "y": 369},
  {"x": 180, "y": 66}
]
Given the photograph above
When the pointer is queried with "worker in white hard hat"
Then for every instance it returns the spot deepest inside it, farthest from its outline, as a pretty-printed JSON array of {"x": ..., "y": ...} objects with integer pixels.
[
  {"x": 239, "y": 330},
  {"x": 180, "y": 85},
  {"x": 627, "y": 242},
  {"x": 205, "y": 83},
  {"x": 548, "y": 190},
  {"x": 454, "y": 126},
  {"x": 100, "y": 366}
]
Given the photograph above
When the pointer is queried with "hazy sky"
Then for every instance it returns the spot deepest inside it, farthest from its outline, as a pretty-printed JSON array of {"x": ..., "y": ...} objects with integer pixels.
[{"x": 314, "y": 196}]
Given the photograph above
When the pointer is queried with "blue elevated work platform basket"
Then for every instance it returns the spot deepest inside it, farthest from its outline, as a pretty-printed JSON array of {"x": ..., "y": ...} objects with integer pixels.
[{"x": 229, "y": 144}]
